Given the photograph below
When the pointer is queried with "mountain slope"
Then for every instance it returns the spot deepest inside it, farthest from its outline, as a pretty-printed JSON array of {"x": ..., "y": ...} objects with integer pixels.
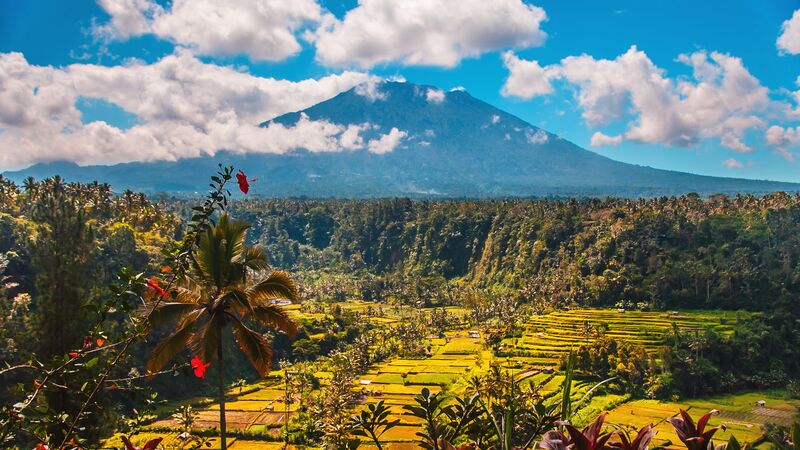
[{"x": 453, "y": 145}]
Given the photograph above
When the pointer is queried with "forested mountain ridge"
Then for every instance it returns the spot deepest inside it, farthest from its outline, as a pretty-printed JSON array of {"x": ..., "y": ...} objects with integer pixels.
[
  {"x": 676, "y": 252},
  {"x": 416, "y": 141}
]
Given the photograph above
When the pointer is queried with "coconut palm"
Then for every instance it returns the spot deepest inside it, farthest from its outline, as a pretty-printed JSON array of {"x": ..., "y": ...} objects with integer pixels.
[{"x": 220, "y": 291}]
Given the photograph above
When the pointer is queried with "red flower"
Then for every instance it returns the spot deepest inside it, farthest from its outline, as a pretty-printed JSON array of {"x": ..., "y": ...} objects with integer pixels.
[
  {"x": 152, "y": 444},
  {"x": 199, "y": 367},
  {"x": 74, "y": 354},
  {"x": 153, "y": 283},
  {"x": 244, "y": 183},
  {"x": 41, "y": 447}
]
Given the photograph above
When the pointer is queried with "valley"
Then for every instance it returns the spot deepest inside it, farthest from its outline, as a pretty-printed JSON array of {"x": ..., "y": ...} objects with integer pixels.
[{"x": 257, "y": 412}]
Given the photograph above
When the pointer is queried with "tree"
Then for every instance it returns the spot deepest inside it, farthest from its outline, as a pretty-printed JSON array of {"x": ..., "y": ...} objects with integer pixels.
[{"x": 219, "y": 292}]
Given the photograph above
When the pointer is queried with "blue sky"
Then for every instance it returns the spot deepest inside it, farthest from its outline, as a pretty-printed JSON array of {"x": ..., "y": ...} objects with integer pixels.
[{"x": 52, "y": 36}]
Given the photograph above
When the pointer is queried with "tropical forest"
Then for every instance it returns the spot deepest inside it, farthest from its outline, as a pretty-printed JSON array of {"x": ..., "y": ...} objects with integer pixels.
[
  {"x": 399, "y": 225},
  {"x": 133, "y": 321}
]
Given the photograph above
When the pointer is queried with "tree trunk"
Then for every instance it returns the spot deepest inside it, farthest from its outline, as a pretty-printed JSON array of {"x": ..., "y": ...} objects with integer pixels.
[{"x": 222, "y": 430}]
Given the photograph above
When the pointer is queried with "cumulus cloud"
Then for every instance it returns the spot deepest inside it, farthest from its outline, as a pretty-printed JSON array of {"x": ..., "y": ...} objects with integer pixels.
[
  {"x": 721, "y": 99},
  {"x": 185, "y": 108},
  {"x": 387, "y": 142},
  {"x": 526, "y": 79},
  {"x": 128, "y": 18},
  {"x": 602, "y": 140},
  {"x": 536, "y": 137},
  {"x": 371, "y": 89},
  {"x": 263, "y": 29},
  {"x": 778, "y": 136},
  {"x": 426, "y": 32},
  {"x": 434, "y": 95},
  {"x": 731, "y": 163},
  {"x": 789, "y": 40}
]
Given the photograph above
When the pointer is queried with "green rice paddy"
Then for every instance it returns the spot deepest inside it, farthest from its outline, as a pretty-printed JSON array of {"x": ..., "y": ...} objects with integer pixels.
[{"x": 258, "y": 413}]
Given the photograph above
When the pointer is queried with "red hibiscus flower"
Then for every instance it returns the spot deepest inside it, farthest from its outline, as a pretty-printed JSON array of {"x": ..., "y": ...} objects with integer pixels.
[
  {"x": 199, "y": 367},
  {"x": 153, "y": 283},
  {"x": 244, "y": 183},
  {"x": 152, "y": 444}
]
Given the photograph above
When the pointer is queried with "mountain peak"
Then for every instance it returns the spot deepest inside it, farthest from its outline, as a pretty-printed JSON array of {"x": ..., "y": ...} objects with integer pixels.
[{"x": 422, "y": 141}]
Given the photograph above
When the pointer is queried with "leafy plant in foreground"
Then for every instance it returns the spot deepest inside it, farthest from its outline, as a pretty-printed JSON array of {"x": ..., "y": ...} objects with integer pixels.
[
  {"x": 640, "y": 442},
  {"x": 442, "y": 425},
  {"x": 587, "y": 439},
  {"x": 694, "y": 437},
  {"x": 373, "y": 422}
]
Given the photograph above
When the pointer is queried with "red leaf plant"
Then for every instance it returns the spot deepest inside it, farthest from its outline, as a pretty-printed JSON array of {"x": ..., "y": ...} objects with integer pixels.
[
  {"x": 640, "y": 442},
  {"x": 152, "y": 444},
  {"x": 694, "y": 437},
  {"x": 587, "y": 439}
]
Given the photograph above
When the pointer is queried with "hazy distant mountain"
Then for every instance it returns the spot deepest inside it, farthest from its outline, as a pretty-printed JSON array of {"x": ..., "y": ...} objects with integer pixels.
[{"x": 454, "y": 146}]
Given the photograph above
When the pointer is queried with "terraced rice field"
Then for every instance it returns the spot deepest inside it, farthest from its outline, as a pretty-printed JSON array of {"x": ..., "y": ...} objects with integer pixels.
[
  {"x": 549, "y": 337},
  {"x": 738, "y": 412},
  {"x": 257, "y": 409},
  {"x": 455, "y": 358}
]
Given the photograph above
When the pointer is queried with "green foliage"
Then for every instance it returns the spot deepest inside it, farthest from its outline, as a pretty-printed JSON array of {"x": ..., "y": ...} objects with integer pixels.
[
  {"x": 665, "y": 253},
  {"x": 373, "y": 422},
  {"x": 608, "y": 357}
]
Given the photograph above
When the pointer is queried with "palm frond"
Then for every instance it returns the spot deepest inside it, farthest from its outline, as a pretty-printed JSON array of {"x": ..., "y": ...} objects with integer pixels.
[
  {"x": 174, "y": 343},
  {"x": 235, "y": 298},
  {"x": 169, "y": 312},
  {"x": 208, "y": 257},
  {"x": 233, "y": 234},
  {"x": 278, "y": 285},
  {"x": 255, "y": 258},
  {"x": 254, "y": 346},
  {"x": 220, "y": 251},
  {"x": 206, "y": 340},
  {"x": 275, "y": 316},
  {"x": 190, "y": 287}
]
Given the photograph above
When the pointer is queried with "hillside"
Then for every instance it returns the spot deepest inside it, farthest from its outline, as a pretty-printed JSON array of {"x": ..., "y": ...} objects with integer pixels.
[
  {"x": 666, "y": 253},
  {"x": 454, "y": 146}
]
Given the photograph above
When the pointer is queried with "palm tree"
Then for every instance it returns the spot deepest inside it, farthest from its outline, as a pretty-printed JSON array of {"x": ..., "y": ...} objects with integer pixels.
[{"x": 219, "y": 292}]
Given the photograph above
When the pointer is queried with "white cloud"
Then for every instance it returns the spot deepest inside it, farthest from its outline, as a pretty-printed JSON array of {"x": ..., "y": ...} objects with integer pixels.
[
  {"x": 435, "y": 95},
  {"x": 263, "y": 29},
  {"x": 526, "y": 79},
  {"x": 601, "y": 140},
  {"x": 371, "y": 89},
  {"x": 185, "y": 108},
  {"x": 781, "y": 137},
  {"x": 721, "y": 100},
  {"x": 731, "y": 163},
  {"x": 789, "y": 40},
  {"x": 128, "y": 18},
  {"x": 495, "y": 119},
  {"x": 387, "y": 142},
  {"x": 426, "y": 32},
  {"x": 536, "y": 137}
]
